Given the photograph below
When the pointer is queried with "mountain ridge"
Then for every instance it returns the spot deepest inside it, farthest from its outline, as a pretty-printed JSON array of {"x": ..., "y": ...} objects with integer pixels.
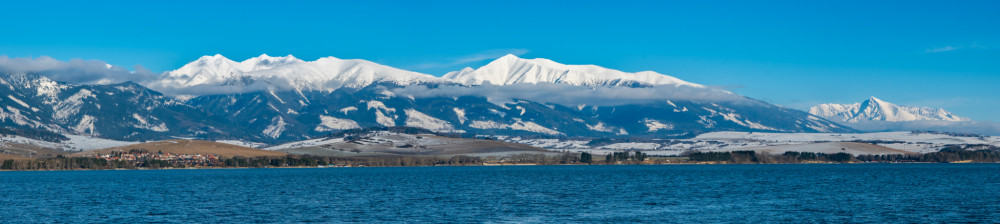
[
  {"x": 280, "y": 73},
  {"x": 511, "y": 69},
  {"x": 875, "y": 109},
  {"x": 279, "y": 99}
]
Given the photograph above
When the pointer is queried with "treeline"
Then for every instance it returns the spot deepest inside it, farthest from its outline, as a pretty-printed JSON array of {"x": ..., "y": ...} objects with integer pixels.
[
  {"x": 953, "y": 134},
  {"x": 944, "y": 156},
  {"x": 65, "y": 163},
  {"x": 37, "y": 134},
  {"x": 83, "y": 163},
  {"x": 734, "y": 157},
  {"x": 978, "y": 156},
  {"x": 625, "y": 157}
]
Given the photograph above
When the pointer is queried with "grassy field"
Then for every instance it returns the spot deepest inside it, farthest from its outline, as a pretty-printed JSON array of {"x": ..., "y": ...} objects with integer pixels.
[
  {"x": 189, "y": 147},
  {"x": 28, "y": 150}
]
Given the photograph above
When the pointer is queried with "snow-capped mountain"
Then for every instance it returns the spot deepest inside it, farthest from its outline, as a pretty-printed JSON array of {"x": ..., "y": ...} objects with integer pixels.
[
  {"x": 279, "y": 99},
  {"x": 875, "y": 109},
  {"x": 208, "y": 73},
  {"x": 511, "y": 69}
]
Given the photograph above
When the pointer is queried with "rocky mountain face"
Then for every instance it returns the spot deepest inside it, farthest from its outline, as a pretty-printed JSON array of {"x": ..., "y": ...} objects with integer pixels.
[
  {"x": 280, "y": 99},
  {"x": 125, "y": 111}
]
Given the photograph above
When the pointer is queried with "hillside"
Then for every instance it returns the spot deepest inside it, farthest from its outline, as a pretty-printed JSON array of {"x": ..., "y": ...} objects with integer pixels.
[
  {"x": 27, "y": 150},
  {"x": 189, "y": 147},
  {"x": 386, "y": 143}
]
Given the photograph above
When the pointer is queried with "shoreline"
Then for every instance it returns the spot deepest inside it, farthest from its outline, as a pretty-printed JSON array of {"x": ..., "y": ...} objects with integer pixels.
[{"x": 490, "y": 165}]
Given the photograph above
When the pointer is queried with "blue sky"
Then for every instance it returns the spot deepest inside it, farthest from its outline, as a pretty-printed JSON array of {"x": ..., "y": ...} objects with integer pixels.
[{"x": 792, "y": 53}]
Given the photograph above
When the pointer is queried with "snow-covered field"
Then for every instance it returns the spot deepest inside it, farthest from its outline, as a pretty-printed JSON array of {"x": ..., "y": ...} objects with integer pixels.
[
  {"x": 884, "y": 136},
  {"x": 75, "y": 142},
  {"x": 715, "y": 141},
  {"x": 306, "y": 143},
  {"x": 728, "y": 141},
  {"x": 243, "y": 143}
]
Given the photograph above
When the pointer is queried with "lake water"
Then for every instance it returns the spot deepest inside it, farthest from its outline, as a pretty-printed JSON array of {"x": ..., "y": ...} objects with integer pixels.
[{"x": 802, "y": 193}]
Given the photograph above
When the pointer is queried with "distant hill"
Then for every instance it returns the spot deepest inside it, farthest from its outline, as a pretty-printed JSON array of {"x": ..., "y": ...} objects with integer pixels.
[
  {"x": 419, "y": 142},
  {"x": 28, "y": 150},
  {"x": 876, "y": 115},
  {"x": 875, "y": 109}
]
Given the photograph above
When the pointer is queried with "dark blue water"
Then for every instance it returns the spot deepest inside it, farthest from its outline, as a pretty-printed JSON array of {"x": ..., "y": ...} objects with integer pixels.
[{"x": 555, "y": 194}]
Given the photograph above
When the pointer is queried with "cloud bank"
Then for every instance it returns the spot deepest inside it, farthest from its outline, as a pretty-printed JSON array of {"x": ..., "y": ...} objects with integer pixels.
[
  {"x": 477, "y": 57},
  {"x": 569, "y": 95},
  {"x": 948, "y": 48},
  {"x": 75, "y": 70},
  {"x": 245, "y": 85}
]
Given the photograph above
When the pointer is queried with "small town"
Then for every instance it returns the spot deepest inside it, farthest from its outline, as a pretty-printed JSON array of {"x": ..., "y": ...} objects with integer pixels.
[{"x": 142, "y": 156}]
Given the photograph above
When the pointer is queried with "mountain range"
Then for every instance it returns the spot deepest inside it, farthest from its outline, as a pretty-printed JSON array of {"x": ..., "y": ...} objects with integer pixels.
[
  {"x": 876, "y": 115},
  {"x": 280, "y": 99},
  {"x": 875, "y": 109}
]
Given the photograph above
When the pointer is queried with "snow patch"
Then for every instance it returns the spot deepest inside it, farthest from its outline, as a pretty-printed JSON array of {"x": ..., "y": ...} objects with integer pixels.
[
  {"x": 384, "y": 120},
  {"x": 415, "y": 118},
  {"x": 15, "y": 99},
  {"x": 346, "y": 110},
  {"x": 486, "y": 125},
  {"x": 144, "y": 124},
  {"x": 86, "y": 124},
  {"x": 461, "y": 114},
  {"x": 275, "y": 129},
  {"x": 328, "y": 123},
  {"x": 71, "y": 106},
  {"x": 600, "y": 126},
  {"x": 517, "y": 125},
  {"x": 379, "y": 105},
  {"x": 655, "y": 125}
]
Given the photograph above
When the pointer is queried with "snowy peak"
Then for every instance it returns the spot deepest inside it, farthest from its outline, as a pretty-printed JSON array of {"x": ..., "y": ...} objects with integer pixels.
[
  {"x": 875, "y": 109},
  {"x": 511, "y": 69},
  {"x": 280, "y": 73},
  {"x": 270, "y": 73},
  {"x": 264, "y": 62}
]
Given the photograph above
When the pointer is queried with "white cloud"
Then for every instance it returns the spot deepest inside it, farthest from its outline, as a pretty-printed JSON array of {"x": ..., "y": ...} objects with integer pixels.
[
  {"x": 947, "y": 48},
  {"x": 477, "y": 57},
  {"x": 75, "y": 70},
  {"x": 941, "y": 49}
]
